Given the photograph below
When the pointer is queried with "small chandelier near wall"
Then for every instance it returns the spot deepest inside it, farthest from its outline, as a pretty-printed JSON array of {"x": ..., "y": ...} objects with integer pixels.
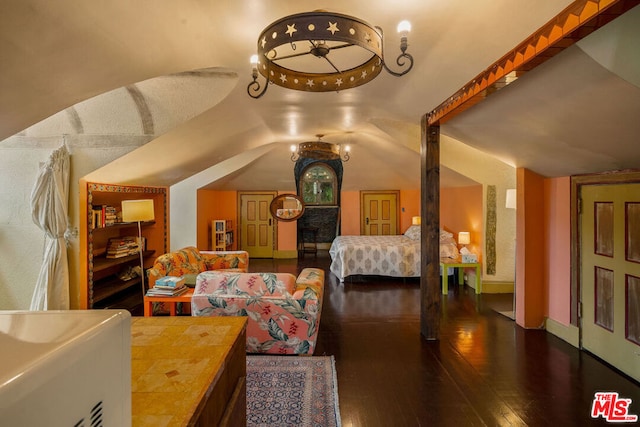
[
  {"x": 351, "y": 51},
  {"x": 320, "y": 150}
]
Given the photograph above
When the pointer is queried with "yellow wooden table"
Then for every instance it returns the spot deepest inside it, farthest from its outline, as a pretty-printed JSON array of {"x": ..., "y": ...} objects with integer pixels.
[
  {"x": 188, "y": 371},
  {"x": 452, "y": 263}
]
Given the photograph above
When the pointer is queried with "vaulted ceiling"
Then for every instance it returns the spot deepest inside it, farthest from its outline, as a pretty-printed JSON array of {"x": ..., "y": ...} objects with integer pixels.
[{"x": 175, "y": 73}]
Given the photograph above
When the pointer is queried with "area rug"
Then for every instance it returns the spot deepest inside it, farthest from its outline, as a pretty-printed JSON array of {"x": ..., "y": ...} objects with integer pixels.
[{"x": 292, "y": 391}]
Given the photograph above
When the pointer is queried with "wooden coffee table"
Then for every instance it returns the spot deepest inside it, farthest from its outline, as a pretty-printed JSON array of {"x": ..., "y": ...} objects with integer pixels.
[{"x": 170, "y": 301}]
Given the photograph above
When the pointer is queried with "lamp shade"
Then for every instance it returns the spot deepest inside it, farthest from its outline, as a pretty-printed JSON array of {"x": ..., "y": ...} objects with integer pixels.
[
  {"x": 511, "y": 199},
  {"x": 416, "y": 220},
  {"x": 137, "y": 210},
  {"x": 464, "y": 238}
]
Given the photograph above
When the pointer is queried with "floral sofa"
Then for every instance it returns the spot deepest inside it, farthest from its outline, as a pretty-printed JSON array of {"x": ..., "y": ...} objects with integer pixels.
[
  {"x": 283, "y": 311},
  {"x": 190, "y": 260}
]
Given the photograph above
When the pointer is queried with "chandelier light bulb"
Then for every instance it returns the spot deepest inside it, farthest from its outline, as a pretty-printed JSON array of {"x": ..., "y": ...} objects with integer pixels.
[
  {"x": 404, "y": 27},
  {"x": 254, "y": 60}
]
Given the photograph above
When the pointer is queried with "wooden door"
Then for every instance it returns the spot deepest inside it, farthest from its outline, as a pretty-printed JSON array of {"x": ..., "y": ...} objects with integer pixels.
[
  {"x": 610, "y": 274},
  {"x": 379, "y": 213},
  {"x": 256, "y": 224}
]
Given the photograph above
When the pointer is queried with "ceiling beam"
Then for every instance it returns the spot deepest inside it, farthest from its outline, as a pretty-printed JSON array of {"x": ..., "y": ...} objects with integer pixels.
[{"x": 578, "y": 20}]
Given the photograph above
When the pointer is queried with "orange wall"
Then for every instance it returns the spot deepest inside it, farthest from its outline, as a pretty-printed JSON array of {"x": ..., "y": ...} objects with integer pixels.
[
  {"x": 409, "y": 207},
  {"x": 350, "y": 212},
  {"x": 530, "y": 246},
  {"x": 461, "y": 210},
  {"x": 224, "y": 205},
  {"x": 557, "y": 207},
  {"x": 215, "y": 205}
]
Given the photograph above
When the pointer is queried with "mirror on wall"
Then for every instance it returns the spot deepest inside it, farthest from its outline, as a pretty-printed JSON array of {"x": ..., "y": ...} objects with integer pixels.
[{"x": 287, "y": 207}]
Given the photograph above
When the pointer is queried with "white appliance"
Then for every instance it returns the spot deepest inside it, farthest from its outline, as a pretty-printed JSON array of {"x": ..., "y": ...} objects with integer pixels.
[{"x": 65, "y": 368}]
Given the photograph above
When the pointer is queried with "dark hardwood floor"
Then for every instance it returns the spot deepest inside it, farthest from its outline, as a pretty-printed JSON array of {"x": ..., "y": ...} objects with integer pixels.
[{"x": 484, "y": 371}]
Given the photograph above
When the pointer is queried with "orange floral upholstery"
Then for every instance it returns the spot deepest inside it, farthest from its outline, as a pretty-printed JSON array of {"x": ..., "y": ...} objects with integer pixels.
[{"x": 190, "y": 260}]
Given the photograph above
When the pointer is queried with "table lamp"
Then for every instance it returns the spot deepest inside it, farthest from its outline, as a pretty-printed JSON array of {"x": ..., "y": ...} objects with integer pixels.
[
  {"x": 138, "y": 211},
  {"x": 464, "y": 238}
]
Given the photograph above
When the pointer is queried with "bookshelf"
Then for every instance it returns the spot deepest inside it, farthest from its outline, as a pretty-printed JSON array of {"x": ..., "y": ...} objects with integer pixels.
[
  {"x": 109, "y": 247},
  {"x": 221, "y": 234}
]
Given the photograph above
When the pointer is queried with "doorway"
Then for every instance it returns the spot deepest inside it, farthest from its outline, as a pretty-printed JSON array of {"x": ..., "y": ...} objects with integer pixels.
[
  {"x": 610, "y": 274},
  {"x": 256, "y": 228},
  {"x": 380, "y": 213}
]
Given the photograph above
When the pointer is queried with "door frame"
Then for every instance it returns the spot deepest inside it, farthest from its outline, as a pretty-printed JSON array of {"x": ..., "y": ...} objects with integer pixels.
[
  {"x": 363, "y": 193},
  {"x": 239, "y": 221},
  {"x": 577, "y": 182}
]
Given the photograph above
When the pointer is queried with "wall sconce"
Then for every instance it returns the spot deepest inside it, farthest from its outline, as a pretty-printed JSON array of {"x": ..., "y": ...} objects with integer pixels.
[
  {"x": 511, "y": 202},
  {"x": 416, "y": 220}
]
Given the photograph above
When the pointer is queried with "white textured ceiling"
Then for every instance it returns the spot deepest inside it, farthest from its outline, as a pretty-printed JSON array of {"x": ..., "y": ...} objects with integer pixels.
[{"x": 574, "y": 114}]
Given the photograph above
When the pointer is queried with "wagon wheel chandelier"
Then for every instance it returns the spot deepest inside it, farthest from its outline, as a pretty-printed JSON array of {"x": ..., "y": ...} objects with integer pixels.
[{"x": 323, "y": 52}]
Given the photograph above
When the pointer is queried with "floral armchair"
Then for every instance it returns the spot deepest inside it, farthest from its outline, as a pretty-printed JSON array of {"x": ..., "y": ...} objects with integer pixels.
[{"x": 283, "y": 311}]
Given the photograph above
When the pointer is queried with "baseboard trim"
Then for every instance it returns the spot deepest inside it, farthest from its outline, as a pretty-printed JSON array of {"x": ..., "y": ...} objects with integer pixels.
[
  {"x": 285, "y": 254},
  {"x": 568, "y": 333},
  {"x": 497, "y": 287}
]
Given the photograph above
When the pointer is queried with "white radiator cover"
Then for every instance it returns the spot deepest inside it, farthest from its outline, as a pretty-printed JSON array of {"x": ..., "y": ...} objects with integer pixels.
[{"x": 65, "y": 368}]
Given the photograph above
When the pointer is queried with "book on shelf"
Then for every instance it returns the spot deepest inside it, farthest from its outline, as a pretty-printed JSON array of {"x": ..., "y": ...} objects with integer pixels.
[
  {"x": 122, "y": 246},
  {"x": 104, "y": 216}
]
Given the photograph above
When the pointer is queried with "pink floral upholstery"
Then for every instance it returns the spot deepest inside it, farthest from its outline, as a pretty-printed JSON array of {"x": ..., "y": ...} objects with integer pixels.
[{"x": 283, "y": 311}]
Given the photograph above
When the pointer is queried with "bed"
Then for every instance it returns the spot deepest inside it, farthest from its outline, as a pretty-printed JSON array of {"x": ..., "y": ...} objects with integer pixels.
[{"x": 392, "y": 256}]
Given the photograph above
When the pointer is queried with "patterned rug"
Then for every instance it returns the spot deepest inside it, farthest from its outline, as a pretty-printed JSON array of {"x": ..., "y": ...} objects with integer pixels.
[{"x": 292, "y": 391}]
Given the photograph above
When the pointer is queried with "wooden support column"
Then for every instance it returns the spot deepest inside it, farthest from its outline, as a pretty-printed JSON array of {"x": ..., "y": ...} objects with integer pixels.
[{"x": 430, "y": 292}]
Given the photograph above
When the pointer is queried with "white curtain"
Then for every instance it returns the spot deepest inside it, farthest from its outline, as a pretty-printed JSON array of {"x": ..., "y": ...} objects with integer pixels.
[{"x": 49, "y": 201}]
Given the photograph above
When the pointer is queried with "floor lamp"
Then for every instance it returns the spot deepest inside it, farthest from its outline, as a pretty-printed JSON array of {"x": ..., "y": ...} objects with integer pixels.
[{"x": 138, "y": 211}]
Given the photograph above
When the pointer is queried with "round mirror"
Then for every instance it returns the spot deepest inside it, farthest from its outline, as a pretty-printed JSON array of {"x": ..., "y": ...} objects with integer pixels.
[{"x": 287, "y": 207}]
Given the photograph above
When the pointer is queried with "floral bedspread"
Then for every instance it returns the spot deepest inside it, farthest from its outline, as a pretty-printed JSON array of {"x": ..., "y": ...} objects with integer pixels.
[{"x": 394, "y": 256}]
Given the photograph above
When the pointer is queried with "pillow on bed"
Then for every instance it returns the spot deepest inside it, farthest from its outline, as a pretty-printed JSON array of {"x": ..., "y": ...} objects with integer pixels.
[
  {"x": 413, "y": 232},
  {"x": 448, "y": 247},
  {"x": 446, "y": 237},
  {"x": 449, "y": 250}
]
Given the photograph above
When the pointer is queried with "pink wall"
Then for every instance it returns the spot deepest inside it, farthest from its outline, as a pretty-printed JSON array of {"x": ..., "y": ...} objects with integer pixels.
[
  {"x": 287, "y": 233},
  {"x": 557, "y": 214}
]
